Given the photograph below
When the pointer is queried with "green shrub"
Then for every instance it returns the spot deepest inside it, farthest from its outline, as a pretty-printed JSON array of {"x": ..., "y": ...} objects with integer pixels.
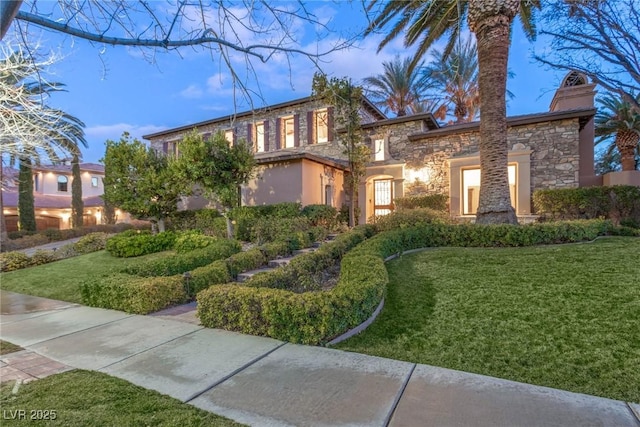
[
  {"x": 43, "y": 256},
  {"x": 437, "y": 202},
  {"x": 91, "y": 242},
  {"x": 53, "y": 234},
  {"x": 274, "y": 250},
  {"x": 208, "y": 221},
  {"x": 244, "y": 217},
  {"x": 245, "y": 261},
  {"x": 172, "y": 264},
  {"x": 618, "y": 203},
  {"x": 134, "y": 243},
  {"x": 10, "y": 261},
  {"x": 410, "y": 218},
  {"x": 133, "y": 294},
  {"x": 215, "y": 273},
  {"x": 321, "y": 215},
  {"x": 316, "y": 317},
  {"x": 190, "y": 240},
  {"x": 271, "y": 229},
  {"x": 27, "y": 241}
]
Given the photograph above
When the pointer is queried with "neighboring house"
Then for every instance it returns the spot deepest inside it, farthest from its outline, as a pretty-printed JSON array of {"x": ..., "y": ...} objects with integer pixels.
[
  {"x": 52, "y": 195},
  {"x": 300, "y": 159}
]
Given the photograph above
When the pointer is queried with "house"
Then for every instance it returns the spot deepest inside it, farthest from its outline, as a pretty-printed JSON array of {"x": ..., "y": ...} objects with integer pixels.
[
  {"x": 52, "y": 195},
  {"x": 301, "y": 160}
]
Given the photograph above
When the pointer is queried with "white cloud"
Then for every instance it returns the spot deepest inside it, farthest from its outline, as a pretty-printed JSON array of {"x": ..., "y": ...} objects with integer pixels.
[
  {"x": 97, "y": 135},
  {"x": 192, "y": 92}
]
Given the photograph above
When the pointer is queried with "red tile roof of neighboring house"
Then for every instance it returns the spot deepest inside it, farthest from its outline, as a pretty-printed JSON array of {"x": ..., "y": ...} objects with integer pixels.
[
  {"x": 88, "y": 167},
  {"x": 10, "y": 200}
]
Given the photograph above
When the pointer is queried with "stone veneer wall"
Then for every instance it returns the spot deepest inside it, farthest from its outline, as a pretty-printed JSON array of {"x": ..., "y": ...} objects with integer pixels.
[{"x": 554, "y": 160}]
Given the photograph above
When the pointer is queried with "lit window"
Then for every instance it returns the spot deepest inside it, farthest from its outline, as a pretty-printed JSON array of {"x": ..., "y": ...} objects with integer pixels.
[
  {"x": 471, "y": 188},
  {"x": 228, "y": 135},
  {"x": 378, "y": 150},
  {"x": 259, "y": 137},
  {"x": 289, "y": 132},
  {"x": 62, "y": 183},
  {"x": 322, "y": 126},
  {"x": 94, "y": 181}
]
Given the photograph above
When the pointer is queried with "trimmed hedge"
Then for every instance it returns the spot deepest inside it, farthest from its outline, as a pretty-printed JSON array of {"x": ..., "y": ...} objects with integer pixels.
[
  {"x": 172, "y": 264},
  {"x": 208, "y": 221},
  {"x": 437, "y": 202},
  {"x": 620, "y": 203},
  {"x": 134, "y": 243},
  {"x": 321, "y": 215},
  {"x": 134, "y": 294},
  {"x": 410, "y": 218},
  {"x": 316, "y": 317},
  {"x": 191, "y": 240}
]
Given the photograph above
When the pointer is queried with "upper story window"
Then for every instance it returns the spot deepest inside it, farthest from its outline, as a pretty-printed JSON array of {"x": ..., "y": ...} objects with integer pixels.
[
  {"x": 94, "y": 181},
  {"x": 288, "y": 126},
  {"x": 228, "y": 135},
  {"x": 378, "y": 150},
  {"x": 63, "y": 182},
  {"x": 322, "y": 126},
  {"x": 259, "y": 128}
]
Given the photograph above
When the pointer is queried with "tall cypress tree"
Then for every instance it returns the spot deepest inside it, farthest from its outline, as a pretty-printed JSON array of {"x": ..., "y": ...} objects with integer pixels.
[
  {"x": 26, "y": 210},
  {"x": 77, "y": 205}
]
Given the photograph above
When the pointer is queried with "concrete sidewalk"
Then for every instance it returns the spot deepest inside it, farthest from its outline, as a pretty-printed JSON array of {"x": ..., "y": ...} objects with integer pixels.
[{"x": 265, "y": 382}]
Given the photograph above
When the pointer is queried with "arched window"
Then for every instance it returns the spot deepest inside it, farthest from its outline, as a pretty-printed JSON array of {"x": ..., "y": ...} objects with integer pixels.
[
  {"x": 574, "y": 79},
  {"x": 62, "y": 183}
]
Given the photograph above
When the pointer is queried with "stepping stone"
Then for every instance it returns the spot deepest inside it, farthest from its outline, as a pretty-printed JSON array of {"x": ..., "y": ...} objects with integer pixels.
[
  {"x": 243, "y": 277},
  {"x": 303, "y": 251},
  {"x": 331, "y": 236},
  {"x": 279, "y": 262}
]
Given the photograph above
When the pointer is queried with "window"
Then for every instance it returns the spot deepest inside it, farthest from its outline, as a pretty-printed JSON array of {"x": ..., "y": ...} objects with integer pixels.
[
  {"x": 259, "y": 137},
  {"x": 289, "y": 132},
  {"x": 322, "y": 126},
  {"x": 378, "y": 150},
  {"x": 228, "y": 135},
  {"x": 36, "y": 182},
  {"x": 471, "y": 189},
  {"x": 172, "y": 149},
  {"x": 62, "y": 183},
  {"x": 94, "y": 181}
]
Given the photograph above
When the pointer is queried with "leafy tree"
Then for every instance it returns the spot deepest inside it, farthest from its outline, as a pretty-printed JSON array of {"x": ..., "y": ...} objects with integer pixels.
[
  {"x": 77, "y": 205},
  {"x": 217, "y": 167},
  {"x": 141, "y": 181},
  {"x": 346, "y": 100},
  {"x": 425, "y": 22},
  {"x": 26, "y": 211},
  {"x": 619, "y": 124},
  {"x": 455, "y": 78},
  {"x": 398, "y": 89}
]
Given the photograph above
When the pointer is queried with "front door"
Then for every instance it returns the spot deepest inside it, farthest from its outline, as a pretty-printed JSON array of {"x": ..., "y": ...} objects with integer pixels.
[{"x": 382, "y": 196}]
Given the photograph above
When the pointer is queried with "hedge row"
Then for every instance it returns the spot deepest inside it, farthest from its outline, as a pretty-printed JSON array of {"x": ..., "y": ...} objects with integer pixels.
[
  {"x": 316, "y": 317},
  {"x": 134, "y": 243},
  {"x": 177, "y": 263},
  {"x": 142, "y": 295},
  {"x": 16, "y": 260},
  {"x": 620, "y": 203}
]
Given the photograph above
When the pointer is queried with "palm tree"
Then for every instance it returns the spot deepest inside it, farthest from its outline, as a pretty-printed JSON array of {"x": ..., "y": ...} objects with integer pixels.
[
  {"x": 616, "y": 117},
  {"x": 399, "y": 88},
  {"x": 423, "y": 22},
  {"x": 456, "y": 78},
  {"x": 31, "y": 129}
]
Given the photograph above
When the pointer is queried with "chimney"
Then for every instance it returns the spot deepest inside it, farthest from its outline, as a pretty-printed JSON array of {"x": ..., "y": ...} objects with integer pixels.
[{"x": 574, "y": 93}]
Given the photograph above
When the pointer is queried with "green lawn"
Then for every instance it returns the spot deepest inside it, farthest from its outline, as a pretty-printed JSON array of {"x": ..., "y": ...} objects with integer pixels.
[
  {"x": 7, "y": 347},
  {"x": 85, "y": 399},
  {"x": 560, "y": 316},
  {"x": 61, "y": 279}
]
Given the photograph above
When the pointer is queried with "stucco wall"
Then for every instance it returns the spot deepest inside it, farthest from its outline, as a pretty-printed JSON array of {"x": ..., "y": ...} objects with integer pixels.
[
  {"x": 275, "y": 183},
  {"x": 315, "y": 177}
]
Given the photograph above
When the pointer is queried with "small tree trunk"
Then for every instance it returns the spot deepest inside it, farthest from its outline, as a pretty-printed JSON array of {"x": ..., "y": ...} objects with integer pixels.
[
  {"x": 161, "y": 226},
  {"x": 229, "y": 225},
  {"x": 26, "y": 210}
]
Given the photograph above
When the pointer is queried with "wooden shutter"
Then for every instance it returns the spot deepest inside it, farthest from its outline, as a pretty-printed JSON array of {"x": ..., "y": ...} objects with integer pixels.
[
  {"x": 330, "y": 132},
  {"x": 266, "y": 135},
  {"x": 250, "y": 140},
  {"x": 278, "y": 133},
  {"x": 165, "y": 147},
  {"x": 296, "y": 130},
  {"x": 311, "y": 127}
]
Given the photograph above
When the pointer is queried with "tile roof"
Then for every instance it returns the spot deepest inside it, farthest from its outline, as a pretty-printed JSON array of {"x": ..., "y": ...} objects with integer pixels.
[{"x": 41, "y": 201}]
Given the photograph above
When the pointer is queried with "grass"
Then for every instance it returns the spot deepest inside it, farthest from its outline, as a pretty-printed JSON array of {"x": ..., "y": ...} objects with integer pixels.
[
  {"x": 84, "y": 398},
  {"x": 560, "y": 316},
  {"x": 61, "y": 279},
  {"x": 7, "y": 347}
]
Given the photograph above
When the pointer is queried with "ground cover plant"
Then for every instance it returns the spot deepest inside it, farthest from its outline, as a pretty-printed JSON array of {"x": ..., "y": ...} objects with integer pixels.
[
  {"x": 563, "y": 316},
  {"x": 84, "y": 398},
  {"x": 6, "y": 347},
  {"x": 61, "y": 280}
]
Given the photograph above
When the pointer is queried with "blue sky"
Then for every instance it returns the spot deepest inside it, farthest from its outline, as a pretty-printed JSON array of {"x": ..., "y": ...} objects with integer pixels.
[{"x": 113, "y": 89}]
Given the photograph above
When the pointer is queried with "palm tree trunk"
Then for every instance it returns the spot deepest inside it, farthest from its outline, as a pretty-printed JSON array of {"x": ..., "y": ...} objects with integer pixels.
[{"x": 493, "y": 52}]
